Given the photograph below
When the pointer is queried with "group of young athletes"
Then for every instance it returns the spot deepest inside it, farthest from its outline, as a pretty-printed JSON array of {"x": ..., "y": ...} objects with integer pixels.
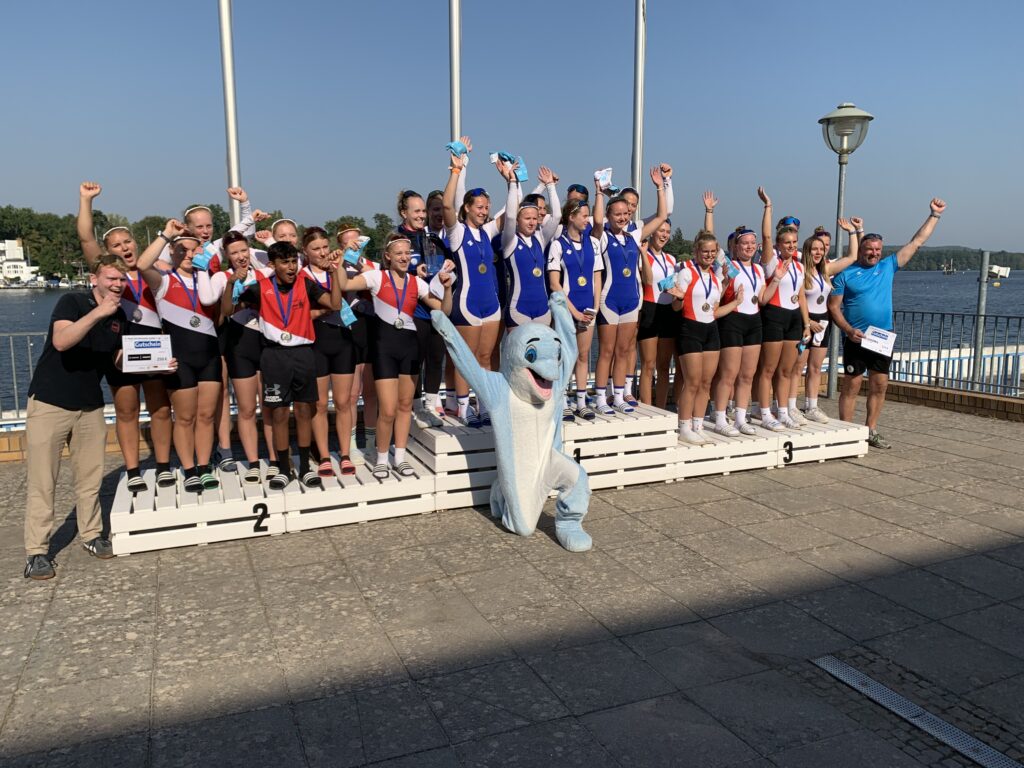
[{"x": 293, "y": 318}]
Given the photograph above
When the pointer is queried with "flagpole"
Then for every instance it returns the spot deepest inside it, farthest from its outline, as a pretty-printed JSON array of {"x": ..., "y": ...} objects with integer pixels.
[{"x": 227, "y": 61}]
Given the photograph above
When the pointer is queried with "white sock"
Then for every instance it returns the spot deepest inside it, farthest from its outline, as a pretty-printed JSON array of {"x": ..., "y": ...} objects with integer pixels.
[
  {"x": 382, "y": 458},
  {"x": 720, "y": 419},
  {"x": 581, "y": 398},
  {"x": 684, "y": 426},
  {"x": 431, "y": 401},
  {"x": 698, "y": 423},
  {"x": 618, "y": 395},
  {"x": 766, "y": 414},
  {"x": 791, "y": 403},
  {"x": 610, "y": 388},
  {"x": 601, "y": 397},
  {"x": 783, "y": 413},
  {"x": 463, "y": 406},
  {"x": 629, "y": 384},
  {"x": 399, "y": 456},
  {"x": 812, "y": 403},
  {"x": 740, "y": 416},
  {"x": 451, "y": 402}
]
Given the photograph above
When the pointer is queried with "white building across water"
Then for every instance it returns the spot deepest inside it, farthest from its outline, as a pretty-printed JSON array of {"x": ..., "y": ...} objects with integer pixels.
[{"x": 13, "y": 265}]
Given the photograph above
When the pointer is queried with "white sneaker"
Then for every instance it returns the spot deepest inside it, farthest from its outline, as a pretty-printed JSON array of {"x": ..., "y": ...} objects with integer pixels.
[
  {"x": 772, "y": 425},
  {"x": 797, "y": 417},
  {"x": 747, "y": 429},
  {"x": 727, "y": 430},
  {"x": 423, "y": 416},
  {"x": 704, "y": 439},
  {"x": 690, "y": 437},
  {"x": 816, "y": 415},
  {"x": 788, "y": 422}
]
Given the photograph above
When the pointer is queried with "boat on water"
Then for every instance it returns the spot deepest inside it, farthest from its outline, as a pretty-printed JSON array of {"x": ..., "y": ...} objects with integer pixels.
[
  {"x": 996, "y": 272},
  {"x": 948, "y": 269}
]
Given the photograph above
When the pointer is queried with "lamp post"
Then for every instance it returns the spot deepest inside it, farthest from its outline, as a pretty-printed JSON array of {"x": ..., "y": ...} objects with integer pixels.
[{"x": 844, "y": 129}]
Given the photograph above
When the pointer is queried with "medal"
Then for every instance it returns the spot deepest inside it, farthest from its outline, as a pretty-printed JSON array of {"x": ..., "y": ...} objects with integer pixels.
[
  {"x": 705, "y": 307},
  {"x": 286, "y": 314},
  {"x": 537, "y": 272},
  {"x": 194, "y": 321},
  {"x": 137, "y": 295},
  {"x": 581, "y": 281},
  {"x": 821, "y": 288},
  {"x": 821, "y": 299},
  {"x": 793, "y": 274},
  {"x": 796, "y": 299},
  {"x": 626, "y": 272},
  {"x": 137, "y": 315},
  {"x": 482, "y": 268},
  {"x": 399, "y": 322}
]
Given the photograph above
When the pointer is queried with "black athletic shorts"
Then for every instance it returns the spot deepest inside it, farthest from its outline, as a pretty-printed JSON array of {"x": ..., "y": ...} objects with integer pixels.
[
  {"x": 242, "y": 350},
  {"x": 289, "y": 375},
  {"x": 778, "y": 324},
  {"x": 118, "y": 378},
  {"x": 359, "y": 333},
  {"x": 695, "y": 336},
  {"x": 828, "y": 330},
  {"x": 334, "y": 351},
  {"x": 856, "y": 360},
  {"x": 739, "y": 330},
  {"x": 189, "y": 375},
  {"x": 393, "y": 352},
  {"x": 657, "y": 320}
]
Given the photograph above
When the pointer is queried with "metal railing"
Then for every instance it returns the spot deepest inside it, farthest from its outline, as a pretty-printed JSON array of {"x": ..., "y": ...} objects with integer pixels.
[
  {"x": 960, "y": 351},
  {"x": 21, "y": 351}
]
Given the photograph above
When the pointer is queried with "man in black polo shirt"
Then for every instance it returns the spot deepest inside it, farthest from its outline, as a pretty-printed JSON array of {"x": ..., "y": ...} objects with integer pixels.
[{"x": 65, "y": 405}]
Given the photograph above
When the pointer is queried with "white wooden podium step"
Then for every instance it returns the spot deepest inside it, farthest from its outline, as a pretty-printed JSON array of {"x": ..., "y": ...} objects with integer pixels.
[{"x": 455, "y": 467}]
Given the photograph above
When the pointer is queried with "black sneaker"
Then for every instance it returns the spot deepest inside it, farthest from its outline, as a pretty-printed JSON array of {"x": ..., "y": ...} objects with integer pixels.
[
  {"x": 99, "y": 547},
  {"x": 39, "y": 567}
]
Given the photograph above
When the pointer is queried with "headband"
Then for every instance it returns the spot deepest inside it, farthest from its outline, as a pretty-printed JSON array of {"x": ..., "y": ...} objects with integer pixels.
[
  {"x": 196, "y": 208},
  {"x": 114, "y": 229},
  {"x": 283, "y": 221}
]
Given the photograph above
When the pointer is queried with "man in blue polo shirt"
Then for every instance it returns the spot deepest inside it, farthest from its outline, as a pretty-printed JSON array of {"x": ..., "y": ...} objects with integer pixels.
[{"x": 861, "y": 297}]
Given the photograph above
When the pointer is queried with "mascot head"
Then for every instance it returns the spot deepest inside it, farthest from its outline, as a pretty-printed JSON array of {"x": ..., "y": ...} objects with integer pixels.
[{"x": 531, "y": 362}]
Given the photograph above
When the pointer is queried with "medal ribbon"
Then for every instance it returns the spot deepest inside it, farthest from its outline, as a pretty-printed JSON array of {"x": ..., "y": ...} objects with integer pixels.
[
  {"x": 582, "y": 258},
  {"x": 326, "y": 286},
  {"x": 533, "y": 254},
  {"x": 793, "y": 275},
  {"x": 136, "y": 292},
  {"x": 752, "y": 277},
  {"x": 286, "y": 315},
  {"x": 662, "y": 262},
  {"x": 821, "y": 282},
  {"x": 707, "y": 288},
  {"x": 192, "y": 297},
  {"x": 394, "y": 289}
]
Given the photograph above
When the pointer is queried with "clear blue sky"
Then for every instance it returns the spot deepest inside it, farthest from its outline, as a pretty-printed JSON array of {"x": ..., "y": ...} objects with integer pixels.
[{"x": 341, "y": 104}]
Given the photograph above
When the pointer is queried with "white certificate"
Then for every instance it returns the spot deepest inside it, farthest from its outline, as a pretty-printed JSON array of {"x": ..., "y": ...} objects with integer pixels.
[
  {"x": 877, "y": 340},
  {"x": 141, "y": 354},
  {"x": 820, "y": 335}
]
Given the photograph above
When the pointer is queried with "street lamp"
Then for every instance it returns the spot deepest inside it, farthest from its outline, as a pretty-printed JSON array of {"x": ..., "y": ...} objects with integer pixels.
[{"x": 844, "y": 129}]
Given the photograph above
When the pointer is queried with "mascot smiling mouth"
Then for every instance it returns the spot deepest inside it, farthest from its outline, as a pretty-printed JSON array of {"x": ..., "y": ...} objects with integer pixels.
[{"x": 541, "y": 385}]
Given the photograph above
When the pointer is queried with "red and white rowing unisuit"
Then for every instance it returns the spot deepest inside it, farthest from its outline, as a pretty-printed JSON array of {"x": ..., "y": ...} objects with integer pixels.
[
  {"x": 139, "y": 305},
  {"x": 702, "y": 293},
  {"x": 787, "y": 295},
  {"x": 299, "y": 328},
  {"x": 662, "y": 265},
  {"x": 386, "y": 300},
  {"x": 751, "y": 277},
  {"x": 178, "y": 302}
]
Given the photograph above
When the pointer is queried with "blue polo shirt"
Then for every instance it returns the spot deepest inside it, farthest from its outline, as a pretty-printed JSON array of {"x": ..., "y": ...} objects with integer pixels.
[{"x": 867, "y": 293}]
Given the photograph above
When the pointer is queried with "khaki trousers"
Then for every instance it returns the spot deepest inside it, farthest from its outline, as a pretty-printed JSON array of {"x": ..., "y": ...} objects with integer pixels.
[{"x": 47, "y": 429}]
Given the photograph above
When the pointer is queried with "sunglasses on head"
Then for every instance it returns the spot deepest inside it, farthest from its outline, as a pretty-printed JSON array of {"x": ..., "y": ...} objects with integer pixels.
[
  {"x": 790, "y": 221},
  {"x": 579, "y": 189},
  {"x": 871, "y": 236},
  {"x": 477, "y": 191}
]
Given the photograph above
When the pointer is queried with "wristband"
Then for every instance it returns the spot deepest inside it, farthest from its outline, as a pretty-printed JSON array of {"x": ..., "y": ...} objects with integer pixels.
[
  {"x": 709, "y": 210},
  {"x": 165, "y": 237},
  {"x": 858, "y": 231},
  {"x": 934, "y": 215}
]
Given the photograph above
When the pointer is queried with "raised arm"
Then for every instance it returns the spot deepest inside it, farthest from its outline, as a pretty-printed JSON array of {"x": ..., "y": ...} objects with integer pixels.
[
  {"x": 670, "y": 198},
  {"x": 904, "y": 254},
  {"x": 86, "y": 236},
  {"x": 766, "y": 224},
  {"x": 710, "y": 201},
  {"x": 508, "y": 231},
  {"x": 549, "y": 226},
  {"x": 855, "y": 227},
  {"x": 465, "y": 359},
  {"x": 245, "y": 224},
  {"x": 598, "y": 212},
  {"x": 659, "y": 218},
  {"x": 456, "y": 182},
  {"x": 147, "y": 260}
]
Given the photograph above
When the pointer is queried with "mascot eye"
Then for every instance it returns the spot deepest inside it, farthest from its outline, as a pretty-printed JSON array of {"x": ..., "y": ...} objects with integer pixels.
[{"x": 531, "y": 355}]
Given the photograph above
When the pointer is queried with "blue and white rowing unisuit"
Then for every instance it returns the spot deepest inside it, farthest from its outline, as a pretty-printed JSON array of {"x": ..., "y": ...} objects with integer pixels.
[
  {"x": 475, "y": 290},
  {"x": 621, "y": 292},
  {"x": 527, "y": 291}
]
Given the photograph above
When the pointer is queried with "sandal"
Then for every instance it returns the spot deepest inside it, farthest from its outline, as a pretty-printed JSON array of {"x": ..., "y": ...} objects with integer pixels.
[
  {"x": 586, "y": 413},
  {"x": 325, "y": 469},
  {"x": 209, "y": 481},
  {"x": 630, "y": 400},
  {"x": 193, "y": 484},
  {"x": 280, "y": 481},
  {"x": 312, "y": 480},
  {"x": 252, "y": 475},
  {"x": 623, "y": 407},
  {"x": 381, "y": 471},
  {"x": 347, "y": 467},
  {"x": 165, "y": 479},
  {"x": 136, "y": 484},
  {"x": 405, "y": 469}
]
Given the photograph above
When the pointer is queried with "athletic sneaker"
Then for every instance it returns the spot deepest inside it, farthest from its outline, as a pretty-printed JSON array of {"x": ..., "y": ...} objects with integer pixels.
[
  {"x": 165, "y": 479},
  {"x": 136, "y": 484},
  {"x": 797, "y": 417},
  {"x": 727, "y": 430},
  {"x": 39, "y": 567},
  {"x": 875, "y": 440},
  {"x": 586, "y": 413},
  {"x": 704, "y": 439},
  {"x": 788, "y": 422},
  {"x": 99, "y": 547},
  {"x": 691, "y": 437},
  {"x": 424, "y": 419},
  {"x": 816, "y": 415},
  {"x": 747, "y": 429},
  {"x": 772, "y": 425}
]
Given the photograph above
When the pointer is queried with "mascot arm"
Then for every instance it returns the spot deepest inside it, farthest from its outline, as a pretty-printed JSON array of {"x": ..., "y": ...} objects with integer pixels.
[
  {"x": 566, "y": 330},
  {"x": 484, "y": 383}
]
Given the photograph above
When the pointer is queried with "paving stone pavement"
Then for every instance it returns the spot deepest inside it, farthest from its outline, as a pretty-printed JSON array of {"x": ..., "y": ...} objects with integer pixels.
[{"x": 683, "y": 638}]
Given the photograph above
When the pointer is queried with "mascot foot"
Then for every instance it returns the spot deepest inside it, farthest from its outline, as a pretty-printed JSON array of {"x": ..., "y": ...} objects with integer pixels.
[{"x": 572, "y": 536}]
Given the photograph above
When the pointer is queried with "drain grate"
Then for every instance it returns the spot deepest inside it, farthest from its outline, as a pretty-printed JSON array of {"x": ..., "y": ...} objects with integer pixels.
[{"x": 948, "y": 734}]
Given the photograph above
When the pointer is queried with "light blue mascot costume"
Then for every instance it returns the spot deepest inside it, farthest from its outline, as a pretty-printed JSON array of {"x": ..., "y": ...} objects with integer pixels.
[{"x": 525, "y": 402}]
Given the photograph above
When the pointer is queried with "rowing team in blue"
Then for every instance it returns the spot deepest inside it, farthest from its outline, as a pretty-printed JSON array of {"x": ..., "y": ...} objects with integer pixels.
[{"x": 307, "y": 317}]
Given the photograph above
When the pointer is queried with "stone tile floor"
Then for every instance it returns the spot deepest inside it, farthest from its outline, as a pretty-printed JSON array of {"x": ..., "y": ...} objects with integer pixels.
[{"x": 683, "y": 638}]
